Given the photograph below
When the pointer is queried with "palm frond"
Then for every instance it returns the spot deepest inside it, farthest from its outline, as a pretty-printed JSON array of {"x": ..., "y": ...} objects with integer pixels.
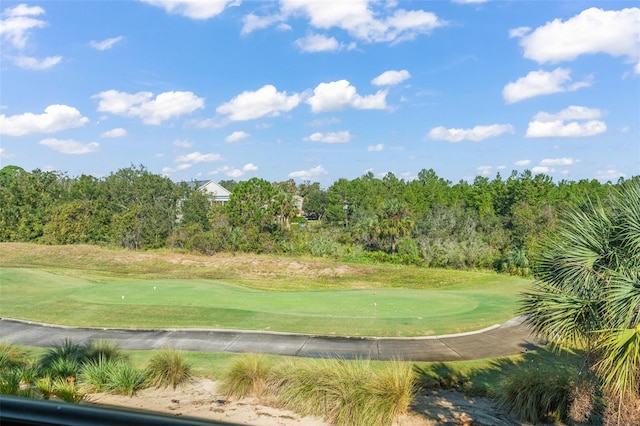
[{"x": 620, "y": 365}]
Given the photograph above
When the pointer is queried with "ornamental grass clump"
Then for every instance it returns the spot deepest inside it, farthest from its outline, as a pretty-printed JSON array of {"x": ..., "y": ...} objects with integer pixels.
[
  {"x": 246, "y": 376},
  {"x": 344, "y": 392},
  {"x": 534, "y": 395},
  {"x": 167, "y": 368},
  {"x": 123, "y": 379}
]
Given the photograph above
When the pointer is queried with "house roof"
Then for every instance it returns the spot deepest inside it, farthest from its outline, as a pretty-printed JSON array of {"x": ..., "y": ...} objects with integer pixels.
[{"x": 213, "y": 188}]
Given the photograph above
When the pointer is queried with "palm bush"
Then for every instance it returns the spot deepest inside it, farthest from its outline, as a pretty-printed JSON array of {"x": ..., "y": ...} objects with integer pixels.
[
  {"x": 587, "y": 291},
  {"x": 168, "y": 367},
  {"x": 247, "y": 375},
  {"x": 64, "y": 360}
]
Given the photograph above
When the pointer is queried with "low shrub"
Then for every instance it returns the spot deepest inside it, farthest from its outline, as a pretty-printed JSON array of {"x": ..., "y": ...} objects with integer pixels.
[
  {"x": 168, "y": 367},
  {"x": 105, "y": 350},
  {"x": 95, "y": 375},
  {"x": 64, "y": 360},
  {"x": 535, "y": 395},
  {"x": 123, "y": 379},
  {"x": 65, "y": 390},
  {"x": 11, "y": 357},
  {"x": 344, "y": 392},
  {"x": 247, "y": 375}
]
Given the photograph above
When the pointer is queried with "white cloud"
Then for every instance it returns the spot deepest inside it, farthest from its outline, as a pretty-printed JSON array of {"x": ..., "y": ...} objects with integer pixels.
[
  {"x": 18, "y": 22},
  {"x": 317, "y": 43},
  {"x": 323, "y": 121},
  {"x": 330, "y": 137},
  {"x": 252, "y": 22},
  {"x": 476, "y": 134},
  {"x": 178, "y": 168},
  {"x": 115, "y": 133},
  {"x": 340, "y": 94},
  {"x": 541, "y": 82},
  {"x": 546, "y": 125},
  {"x": 197, "y": 157},
  {"x": 30, "y": 63},
  {"x": 565, "y": 161},
  {"x": 152, "y": 111},
  {"x": 364, "y": 20},
  {"x": 194, "y": 9},
  {"x": 484, "y": 170},
  {"x": 183, "y": 143},
  {"x": 558, "y": 128},
  {"x": 522, "y": 163},
  {"x": 69, "y": 146},
  {"x": 541, "y": 169},
  {"x": 2, "y": 154},
  {"x": 613, "y": 32},
  {"x": 309, "y": 174},
  {"x": 266, "y": 101},
  {"x": 518, "y": 32},
  {"x": 54, "y": 119},
  {"x": 249, "y": 167},
  {"x": 236, "y": 136},
  {"x": 105, "y": 44},
  {"x": 609, "y": 174},
  {"x": 572, "y": 112},
  {"x": 391, "y": 77},
  {"x": 235, "y": 173},
  {"x": 375, "y": 148}
]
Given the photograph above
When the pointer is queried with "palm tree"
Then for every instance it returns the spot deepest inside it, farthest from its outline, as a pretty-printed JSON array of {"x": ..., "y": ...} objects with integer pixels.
[
  {"x": 395, "y": 221},
  {"x": 587, "y": 291}
]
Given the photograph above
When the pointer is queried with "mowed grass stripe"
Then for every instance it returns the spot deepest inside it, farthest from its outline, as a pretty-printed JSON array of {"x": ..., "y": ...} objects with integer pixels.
[{"x": 39, "y": 295}]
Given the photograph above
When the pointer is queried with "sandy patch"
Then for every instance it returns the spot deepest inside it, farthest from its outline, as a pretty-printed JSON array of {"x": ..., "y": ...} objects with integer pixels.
[{"x": 202, "y": 399}]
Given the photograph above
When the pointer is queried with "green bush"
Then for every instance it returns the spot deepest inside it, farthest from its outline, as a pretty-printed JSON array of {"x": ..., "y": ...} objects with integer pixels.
[
  {"x": 323, "y": 246},
  {"x": 96, "y": 374},
  {"x": 535, "y": 395},
  {"x": 64, "y": 360},
  {"x": 247, "y": 375},
  {"x": 124, "y": 379},
  {"x": 11, "y": 357},
  {"x": 168, "y": 367},
  {"x": 104, "y": 350},
  {"x": 65, "y": 390}
]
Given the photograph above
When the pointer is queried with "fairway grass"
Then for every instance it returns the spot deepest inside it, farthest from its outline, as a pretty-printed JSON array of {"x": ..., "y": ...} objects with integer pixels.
[{"x": 91, "y": 286}]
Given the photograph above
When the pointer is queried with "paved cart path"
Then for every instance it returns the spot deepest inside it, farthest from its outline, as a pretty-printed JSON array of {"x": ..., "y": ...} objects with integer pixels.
[{"x": 510, "y": 338}]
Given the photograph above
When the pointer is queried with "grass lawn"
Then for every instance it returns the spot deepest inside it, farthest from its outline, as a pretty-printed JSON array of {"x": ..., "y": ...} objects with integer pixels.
[{"x": 86, "y": 285}]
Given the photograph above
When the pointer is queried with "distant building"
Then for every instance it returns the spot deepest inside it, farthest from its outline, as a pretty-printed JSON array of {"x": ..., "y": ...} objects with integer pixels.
[{"x": 215, "y": 191}]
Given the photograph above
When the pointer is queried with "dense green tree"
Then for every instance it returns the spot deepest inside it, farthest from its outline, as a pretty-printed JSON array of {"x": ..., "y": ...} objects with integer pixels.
[
  {"x": 252, "y": 204},
  {"x": 588, "y": 287},
  {"x": 26, "y": 201},
  {"x": 143, "y": 205},
  {"x": 315, "y": 203}
]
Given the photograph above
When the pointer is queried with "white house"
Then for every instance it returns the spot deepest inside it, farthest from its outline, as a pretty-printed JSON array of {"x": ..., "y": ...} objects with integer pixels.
[{"x": 216, "y": 192}]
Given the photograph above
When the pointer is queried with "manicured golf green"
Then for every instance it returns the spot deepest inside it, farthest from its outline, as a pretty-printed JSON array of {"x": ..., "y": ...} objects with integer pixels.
[{"x": 64, "y": 298}]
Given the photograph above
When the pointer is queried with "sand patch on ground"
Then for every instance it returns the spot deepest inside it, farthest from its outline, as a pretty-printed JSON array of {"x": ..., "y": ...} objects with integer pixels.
[{"x": 202, "y": 399}]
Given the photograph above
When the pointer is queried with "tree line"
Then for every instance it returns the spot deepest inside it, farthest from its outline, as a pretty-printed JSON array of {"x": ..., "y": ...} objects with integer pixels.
[{"x": 488, "y": 223}]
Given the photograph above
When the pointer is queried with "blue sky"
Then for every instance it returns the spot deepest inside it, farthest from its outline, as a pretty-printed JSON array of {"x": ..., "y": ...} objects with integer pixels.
[{"x": 320, "y": 90}]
